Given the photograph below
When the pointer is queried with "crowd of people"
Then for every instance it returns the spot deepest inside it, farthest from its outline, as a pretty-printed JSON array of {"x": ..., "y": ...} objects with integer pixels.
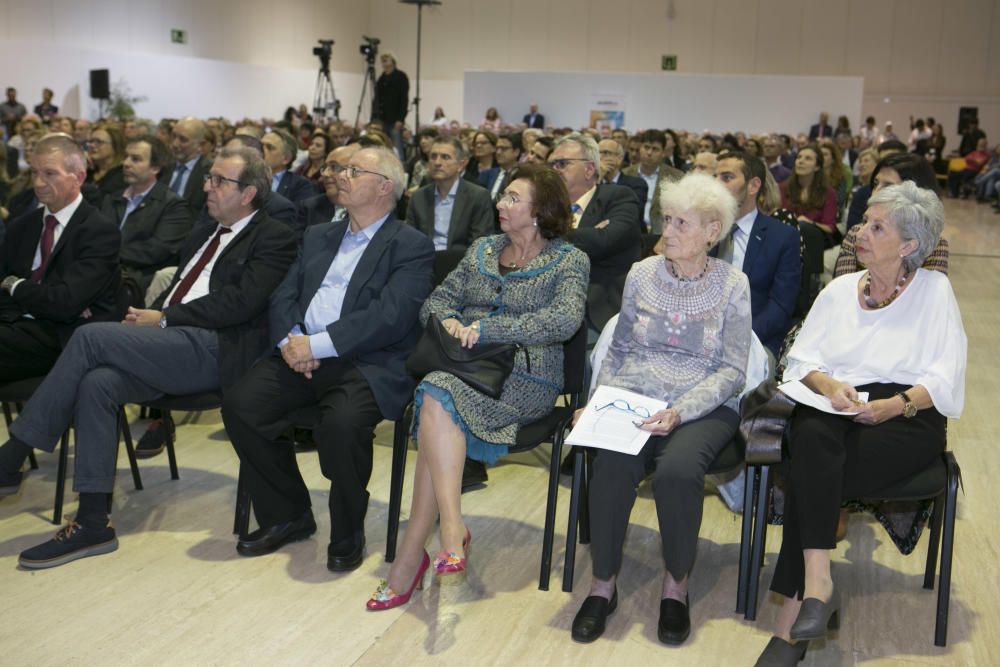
[{"x": 290, "y": 263}]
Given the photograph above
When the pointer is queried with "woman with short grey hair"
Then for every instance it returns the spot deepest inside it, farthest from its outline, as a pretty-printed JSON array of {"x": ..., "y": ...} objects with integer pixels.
[{"x": 893, "y": 331}]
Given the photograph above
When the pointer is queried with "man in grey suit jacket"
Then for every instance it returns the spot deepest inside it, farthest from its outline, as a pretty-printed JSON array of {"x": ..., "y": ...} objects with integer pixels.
[
  {"x": 450, "y": 210},
  {"x": 342, "y": 324},
  {"x": 651, "y": 169}
]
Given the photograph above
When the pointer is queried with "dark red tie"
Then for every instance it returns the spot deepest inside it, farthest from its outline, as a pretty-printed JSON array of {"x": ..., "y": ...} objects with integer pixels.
[
  {"x": 185, "y": 286},
  {"x": 48, "y": 240}
]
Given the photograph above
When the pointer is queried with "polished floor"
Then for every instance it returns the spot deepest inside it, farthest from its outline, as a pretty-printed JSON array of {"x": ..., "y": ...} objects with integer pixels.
[{"x": 177, "y": 593}]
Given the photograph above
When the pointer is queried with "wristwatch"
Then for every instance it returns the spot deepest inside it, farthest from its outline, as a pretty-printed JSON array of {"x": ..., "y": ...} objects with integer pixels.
[
  {"x": 163, "y": 321},
  {"x": 909, "y": 409}
]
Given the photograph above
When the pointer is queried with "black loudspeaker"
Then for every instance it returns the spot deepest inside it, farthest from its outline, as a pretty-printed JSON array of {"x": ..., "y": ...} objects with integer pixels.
[
  {"x": 965, "y": 115},
  {"x": 100, "y": 84}
]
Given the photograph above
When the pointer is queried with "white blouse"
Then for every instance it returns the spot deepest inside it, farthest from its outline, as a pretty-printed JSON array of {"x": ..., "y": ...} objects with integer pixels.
[{"x": 918, "y": 339}]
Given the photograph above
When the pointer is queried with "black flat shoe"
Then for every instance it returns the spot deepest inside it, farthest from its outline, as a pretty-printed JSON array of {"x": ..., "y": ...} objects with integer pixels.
[
  {"x": 590, "y": 621},
  {"x": 815, "y": 617},
  {"x": 154, "y": 440},
  {"x": 268, "y": 540},
  {"x": 675, "y": 621},
  {"x": 344, "y": 560},
  {"x": 10, "y": 484},
  {"x": 779, "y": 653}
]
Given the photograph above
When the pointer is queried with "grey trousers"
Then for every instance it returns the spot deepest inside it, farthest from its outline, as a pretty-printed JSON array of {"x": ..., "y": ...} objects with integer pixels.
[
  {"x": 680, "y": 459},
  {"x": 104, "y": 366}
]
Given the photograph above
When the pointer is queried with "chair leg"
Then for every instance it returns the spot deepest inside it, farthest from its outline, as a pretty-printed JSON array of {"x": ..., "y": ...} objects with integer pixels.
[
  {"x": 171, "y": 453},
  {"x": 757, "y": 546},
  {"x": 548, "y": 535},
  {"x": 575, "y": 500},
  {"x": 61, "y": 478},
  {"x": 241, "y": 522},
  {"x": 400, "y": 442},
  {"x": 947, "y": 546},
  {"x": 129, "y": 449},
  {"x": 584, "y": 505},
  {"x": 934, "y": 541},
  {"x": 746, "y": 535}
]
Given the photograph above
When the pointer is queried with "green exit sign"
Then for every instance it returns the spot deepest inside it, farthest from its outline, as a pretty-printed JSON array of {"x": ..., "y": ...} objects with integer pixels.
[
  {"x": 178, "y": 36},
  {"x": 668, "y": 63}
]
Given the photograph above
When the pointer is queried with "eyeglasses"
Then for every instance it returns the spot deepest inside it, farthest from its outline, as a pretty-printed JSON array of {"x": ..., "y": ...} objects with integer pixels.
[
  {"x": 217, "y": 180},
  {"x": 562, "y": 163},
  {"x": 510, "y": 199},
  {"x": 624, "y": 406},
  {"x": 353, "y": 172},
  {"x": 332, "y": 168}
]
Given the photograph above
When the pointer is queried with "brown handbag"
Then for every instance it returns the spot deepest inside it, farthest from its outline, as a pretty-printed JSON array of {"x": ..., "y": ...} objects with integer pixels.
[{"x": 764, "y": 414}]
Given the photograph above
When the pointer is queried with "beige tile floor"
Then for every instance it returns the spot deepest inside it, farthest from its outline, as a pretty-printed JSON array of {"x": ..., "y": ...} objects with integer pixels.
[{"x": 177, "y": 593}]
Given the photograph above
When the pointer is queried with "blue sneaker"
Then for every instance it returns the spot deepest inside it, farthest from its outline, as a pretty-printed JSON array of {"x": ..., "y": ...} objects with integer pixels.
[{"x": 72, "y": 542}]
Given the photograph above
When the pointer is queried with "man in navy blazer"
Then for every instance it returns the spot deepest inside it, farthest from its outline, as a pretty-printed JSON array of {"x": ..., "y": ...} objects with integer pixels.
[
  {"x": 280, "y": 149},
  {"x": 765, "y": 249},
  {"x": 533, "y": 118},
  {"x": 342, "y": 322}
]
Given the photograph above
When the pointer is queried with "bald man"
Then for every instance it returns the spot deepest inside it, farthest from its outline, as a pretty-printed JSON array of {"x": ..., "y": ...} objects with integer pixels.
[{"x": 187, "y": 178}]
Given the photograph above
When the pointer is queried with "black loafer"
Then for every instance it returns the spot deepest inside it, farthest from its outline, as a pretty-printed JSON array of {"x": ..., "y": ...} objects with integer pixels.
[
  {"x": 590, "y": 621},
  {"x": 340, "y": 560},
  {"x": 675, "y": 621},
  {"x": 779, "y": 653},
  {"x": 154, "y": 440},
  {"x": 268, "y": 540}
]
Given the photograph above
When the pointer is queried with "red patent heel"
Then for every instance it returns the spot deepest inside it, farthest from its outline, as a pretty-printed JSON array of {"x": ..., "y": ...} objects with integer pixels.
[{"x": 386, "y": 598}]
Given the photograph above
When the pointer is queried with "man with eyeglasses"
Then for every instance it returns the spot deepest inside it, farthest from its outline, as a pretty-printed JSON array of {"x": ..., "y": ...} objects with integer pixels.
[
  {"x": 606, "y": 223},
  {"x": 450, "y": 210},
  {"x": 343, "y": 322},
  {"x": 612, "y": 156},
  {"x": 202, "y": 335},
  {"x": 326, "y": 207},
  {"x": 651, "y": 169}
]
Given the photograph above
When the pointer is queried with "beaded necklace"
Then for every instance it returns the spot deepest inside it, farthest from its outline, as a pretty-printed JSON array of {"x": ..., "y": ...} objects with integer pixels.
[
  {"x": 870, "y": 300},
  {"x": 682, "y": 279}
]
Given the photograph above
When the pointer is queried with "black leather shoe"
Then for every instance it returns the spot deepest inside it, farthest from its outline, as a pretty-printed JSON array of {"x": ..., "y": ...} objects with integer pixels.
[
  {"x": 779, "y": 653},
  {"x": 675, "y": 621},
  {"x": 590, "y": 621},
  {"x": 473, "y": 474},
  {"x": 344, "y": 558},
  {"x": 267, "y": 540},
  {"x": 154, "y": 440},
  {"x": 815, "y": 617},
  {"x": 10, "y": 483}
]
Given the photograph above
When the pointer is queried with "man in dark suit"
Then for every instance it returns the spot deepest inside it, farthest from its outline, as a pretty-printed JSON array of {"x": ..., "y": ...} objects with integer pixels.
[
  {"x": 325, "y": 207},
  {"x": 451, "y": 211},
  {"x": 280, "y": 149},
  {"x": 202, "y": 335},
  {"x": 822, "y": 129},
  {"x": 845, "y": 142},
  {"x": 612, "y": 157},
  {"x": 343, "y": 322},
  {"x": 59, "y": 264},
  {"x": 651, "y": 169},
  {"x": 186, "y": 179},
  {"x": 765, "y": 249},
  {"x": 154, "y": 221},
  {"x": 606, "y": 222},
  {"x": 533, "y": 118},
  {"x": 773, "y": 147}
]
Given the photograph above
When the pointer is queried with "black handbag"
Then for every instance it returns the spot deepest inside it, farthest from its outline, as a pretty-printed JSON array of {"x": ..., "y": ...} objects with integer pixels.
[{"x": 484, "y": 367}]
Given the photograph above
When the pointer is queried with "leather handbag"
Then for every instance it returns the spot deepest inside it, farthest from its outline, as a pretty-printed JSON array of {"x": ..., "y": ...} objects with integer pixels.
[
  {"x": 484, "y": 367},
  {"x": 764, "y": 415}
]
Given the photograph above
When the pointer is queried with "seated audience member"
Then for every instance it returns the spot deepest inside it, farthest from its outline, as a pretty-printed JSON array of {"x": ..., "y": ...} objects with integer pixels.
[
  {"x": 808, "y": 196},
  {"x": 187, "y": 177},
  {"x": 343, "y": 322},
  {"x": 865, "y": 164},
  {"x": 822, "y": 129},
  {"x": 988, "y": 177},
  {"x": 893, "y": 170},
  {"x": 868, "y": 133},
  {"x": 450, "y": 210},
  {"x": 910, "y": 358},
  {"x": 528, "y": 286},
  {"x": 712, "y": 298},
  {"x": 81, "y": 130},
  {"x": 859, "y": 202},
  {"x": 491, "y": 121},
  {"x": 960, "y": 182},
  {"x": 417, "y": 168},
  {"x": 845, "y": 143},
  {"x": 279, "y": 151},
  {"x": 482, "y": 168},
  {"x": 772, "y": 157},
  {"x": 838, "y": 175},
  {"x": 202, "y": 335},
  {"x": 704, "y": 163},
  {"x": 655, "y": 173},
  {"x": 612, "y": 156},
  {"x": 319, "y": 146},
  {"x": 21, "y": 197},
  {"x": 58, "y": 264},
  {"x": 327, "y": 206},
  {"x": 154, "y": 221},
  {"x": 539, "y": 151},
  {"x": 508, "y": 156},
  {"x": 766, "y": 250},
  {"x": 672, "y": 155},
  {"x": 528, "y": 138},
  {"x": 606, "y": 224},
  {"x": 106, "y": 151}
]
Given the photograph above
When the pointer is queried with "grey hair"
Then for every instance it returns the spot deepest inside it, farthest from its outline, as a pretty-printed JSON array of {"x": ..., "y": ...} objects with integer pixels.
[
  {"x": 289, "y": 146},
  {"x": 390, "y": 167},
  {"x": 460, "y": 151},
  {"x": 703, "y": 195},
  {"x": 255, "y": 172},
  {"x": 587, "y": 146},
  {"x": 918, "y": 215},
  {"x": 619, "y": 151},
  {"x": 531, "y": 131},
  {"x": 73, "y": 158}
]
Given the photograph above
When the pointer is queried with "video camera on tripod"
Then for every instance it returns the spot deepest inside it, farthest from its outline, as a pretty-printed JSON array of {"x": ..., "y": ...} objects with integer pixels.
[
  {"x": 370, "y": 48},
  {"x": 323, "y": 52},
  {"x": 325, "y": 102}
]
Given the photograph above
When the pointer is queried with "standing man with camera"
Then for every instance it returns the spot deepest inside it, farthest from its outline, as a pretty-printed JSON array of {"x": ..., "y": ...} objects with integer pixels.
[{"x": 392, "y": 92}]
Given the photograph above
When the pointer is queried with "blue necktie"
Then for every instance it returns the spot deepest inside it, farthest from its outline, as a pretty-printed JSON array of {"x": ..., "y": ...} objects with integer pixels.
[
  {"x": 575, "y": 208},
  {"x": 178, "y": 177}
]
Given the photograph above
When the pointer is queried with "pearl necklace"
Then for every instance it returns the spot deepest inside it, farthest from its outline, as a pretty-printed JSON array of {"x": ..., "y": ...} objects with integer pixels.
[
  {"x": 870, "y": 300},
  {"x": 682, "y": 279}
]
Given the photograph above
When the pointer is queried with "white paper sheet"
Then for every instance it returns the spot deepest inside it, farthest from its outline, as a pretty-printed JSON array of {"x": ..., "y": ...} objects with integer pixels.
[
  {"x": 800, "y": 393},
  {"x": 608, "y": 421}
]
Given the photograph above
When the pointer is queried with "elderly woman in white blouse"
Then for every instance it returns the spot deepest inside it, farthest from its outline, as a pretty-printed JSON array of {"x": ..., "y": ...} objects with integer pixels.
[{"x": 893, "y": 331}]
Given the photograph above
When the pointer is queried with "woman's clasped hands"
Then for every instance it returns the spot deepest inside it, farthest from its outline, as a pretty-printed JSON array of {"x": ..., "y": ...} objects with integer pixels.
[{"x": 468, "y": 335}]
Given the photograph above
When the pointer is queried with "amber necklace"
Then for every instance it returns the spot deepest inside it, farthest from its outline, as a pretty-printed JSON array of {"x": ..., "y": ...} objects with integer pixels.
[{"x": 870, "y": 300}]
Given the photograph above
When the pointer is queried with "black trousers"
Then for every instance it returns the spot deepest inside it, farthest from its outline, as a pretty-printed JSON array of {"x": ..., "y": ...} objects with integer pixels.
[
  {"x": 834, "y": 458},
  {"x": 28, "y": 348},
  {"x": 681, "y": 459},
  {"x": 256, "y": 413}
]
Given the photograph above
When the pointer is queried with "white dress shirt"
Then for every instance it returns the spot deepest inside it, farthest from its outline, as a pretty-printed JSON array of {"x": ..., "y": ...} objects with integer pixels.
[{"x": 200, "y": 287}]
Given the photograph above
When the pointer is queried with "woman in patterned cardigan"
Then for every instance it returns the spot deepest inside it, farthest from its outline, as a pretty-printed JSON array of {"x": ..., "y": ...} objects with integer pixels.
[{"x": 524, "y": 286}]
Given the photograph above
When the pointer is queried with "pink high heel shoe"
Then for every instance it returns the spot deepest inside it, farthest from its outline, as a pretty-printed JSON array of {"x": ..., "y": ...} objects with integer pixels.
[
  {"x": 386, "y": 598},
  {"x": 449, "y": 562}
]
